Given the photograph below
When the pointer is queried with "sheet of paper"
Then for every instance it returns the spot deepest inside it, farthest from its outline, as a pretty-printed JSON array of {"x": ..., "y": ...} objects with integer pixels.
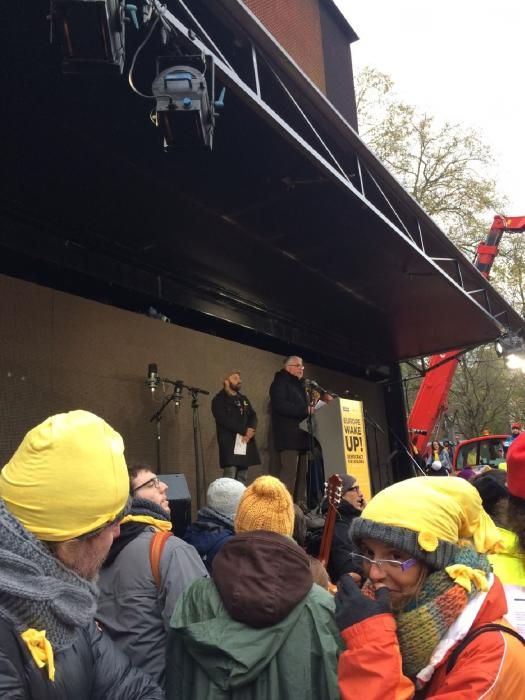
[
  {"x": 240, "y": 445},
  {"x": 516, "y": 603}
]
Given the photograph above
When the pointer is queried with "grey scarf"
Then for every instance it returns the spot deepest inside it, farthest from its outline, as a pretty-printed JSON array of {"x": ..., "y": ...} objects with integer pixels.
[
  {"x": 212, "y": 514},
  {"x": 36, "y": 590}
]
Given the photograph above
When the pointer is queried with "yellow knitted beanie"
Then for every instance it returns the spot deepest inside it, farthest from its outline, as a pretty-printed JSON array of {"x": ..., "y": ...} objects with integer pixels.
[
  {"x": 67, "y": 478},
  {"x": 266, "y": 505}
]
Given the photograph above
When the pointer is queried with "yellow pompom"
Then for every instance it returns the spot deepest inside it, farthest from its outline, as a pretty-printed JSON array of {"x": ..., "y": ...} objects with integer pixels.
[
  {"x": 428, "y": 541},
  {"x": 465, "y": 576}
]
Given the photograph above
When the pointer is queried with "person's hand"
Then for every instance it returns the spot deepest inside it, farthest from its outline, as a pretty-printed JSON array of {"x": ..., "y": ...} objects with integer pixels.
[
  {"x": 351, "y": 606},
  {"x": 250, "y": 433}
]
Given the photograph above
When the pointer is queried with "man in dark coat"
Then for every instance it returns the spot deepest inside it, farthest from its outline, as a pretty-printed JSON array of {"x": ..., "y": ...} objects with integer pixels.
[
  {"x": 62, "y": 496},
  {"x": 351, "y": 505},
  {"x": 236, "y": 423},
  {"x": 289, "y": 407}
]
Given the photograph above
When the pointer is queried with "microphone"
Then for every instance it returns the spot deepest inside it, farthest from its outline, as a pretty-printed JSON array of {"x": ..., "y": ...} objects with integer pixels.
[
  {"x": 351, "y": 395},
  {"x": 153, "y": 376},
  {"x": 312, "y": 384},
  {"x": 177, "y": 394}
]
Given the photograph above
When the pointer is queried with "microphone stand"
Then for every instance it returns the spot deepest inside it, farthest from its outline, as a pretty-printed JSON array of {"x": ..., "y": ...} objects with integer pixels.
[
  {"x": 157, "y": 416},
  {"x": 313, "y": 495},
  {"x": 176, "y": 395},
  {"x": 415, "y": 466},
  {"x": 200, "y": 468}
]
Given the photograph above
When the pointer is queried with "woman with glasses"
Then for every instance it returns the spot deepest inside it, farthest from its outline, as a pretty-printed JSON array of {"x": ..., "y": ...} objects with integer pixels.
[{"x": 428, "y": 621}]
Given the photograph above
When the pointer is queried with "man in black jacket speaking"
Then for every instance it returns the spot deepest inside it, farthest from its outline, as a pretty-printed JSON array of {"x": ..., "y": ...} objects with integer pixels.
[
  {"x": 236, "y": 423},
  {"x": 289, "y": 407}
]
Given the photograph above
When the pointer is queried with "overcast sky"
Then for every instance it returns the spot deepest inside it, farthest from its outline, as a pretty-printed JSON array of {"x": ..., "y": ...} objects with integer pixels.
[{"x": 460, "y": 60}]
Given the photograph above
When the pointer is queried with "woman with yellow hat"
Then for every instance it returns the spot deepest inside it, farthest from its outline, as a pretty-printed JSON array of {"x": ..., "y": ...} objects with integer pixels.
[{"x": 429, "y": 620}]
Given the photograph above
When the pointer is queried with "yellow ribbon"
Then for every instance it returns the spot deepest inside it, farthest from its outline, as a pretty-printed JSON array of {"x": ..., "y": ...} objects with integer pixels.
[
  {"x": 41, "y": 650},
  {"x": 465, "y": 576},
  {"x": 163, "y": 525}
]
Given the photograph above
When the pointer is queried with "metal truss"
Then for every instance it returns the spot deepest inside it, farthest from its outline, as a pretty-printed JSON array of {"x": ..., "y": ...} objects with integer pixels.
[{"x": 275, "y": 81}]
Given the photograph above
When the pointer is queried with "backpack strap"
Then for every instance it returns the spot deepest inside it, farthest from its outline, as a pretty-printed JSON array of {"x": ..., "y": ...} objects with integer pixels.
[
  {"x": 492, "y": 627},
  {"x": 156, "y": 547}
]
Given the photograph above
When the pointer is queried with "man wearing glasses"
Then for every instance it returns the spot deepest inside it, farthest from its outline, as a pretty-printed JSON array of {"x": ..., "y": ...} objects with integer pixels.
[
  {"x": 289, "y": 406},
  {"x": 342, "y": 560},
  {"x": 133, "y": 607}
]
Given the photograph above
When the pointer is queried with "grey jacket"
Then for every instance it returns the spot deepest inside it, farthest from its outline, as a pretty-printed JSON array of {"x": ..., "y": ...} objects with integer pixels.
[{"x": 133, "y": 611}]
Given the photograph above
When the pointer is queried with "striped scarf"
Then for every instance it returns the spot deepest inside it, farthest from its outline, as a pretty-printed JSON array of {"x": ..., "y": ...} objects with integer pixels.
[{"x": 424, "y": 621}]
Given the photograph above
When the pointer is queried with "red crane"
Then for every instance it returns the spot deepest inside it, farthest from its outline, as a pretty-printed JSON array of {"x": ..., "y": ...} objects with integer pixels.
[{"x": 431, "y": 399}]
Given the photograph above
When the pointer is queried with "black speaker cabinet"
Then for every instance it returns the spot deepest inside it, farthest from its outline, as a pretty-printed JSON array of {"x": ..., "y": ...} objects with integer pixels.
[{"x": 180, "y": 501}]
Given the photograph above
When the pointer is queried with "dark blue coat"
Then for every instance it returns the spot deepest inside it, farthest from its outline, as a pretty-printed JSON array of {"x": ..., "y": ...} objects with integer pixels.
[{"x": 207, "y": 535}]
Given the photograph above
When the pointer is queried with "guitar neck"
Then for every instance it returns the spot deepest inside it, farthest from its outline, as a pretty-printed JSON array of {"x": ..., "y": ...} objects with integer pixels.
[{"x": 328, "y": 535}]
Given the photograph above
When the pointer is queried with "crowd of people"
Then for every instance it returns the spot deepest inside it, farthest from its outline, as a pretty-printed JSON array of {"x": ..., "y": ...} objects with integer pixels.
[{"x": 100, "y": 601}]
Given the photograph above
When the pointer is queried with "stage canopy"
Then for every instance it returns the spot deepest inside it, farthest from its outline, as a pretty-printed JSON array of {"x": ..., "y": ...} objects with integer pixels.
[{"x": 288, "y": 231}]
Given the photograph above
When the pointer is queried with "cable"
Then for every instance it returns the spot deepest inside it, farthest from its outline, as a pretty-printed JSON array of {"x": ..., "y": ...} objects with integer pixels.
[{"x": 139, "y": 49}]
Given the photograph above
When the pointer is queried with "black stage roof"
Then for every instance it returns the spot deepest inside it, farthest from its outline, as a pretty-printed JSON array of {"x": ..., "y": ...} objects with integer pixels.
[{"x": 269, "y": 233}]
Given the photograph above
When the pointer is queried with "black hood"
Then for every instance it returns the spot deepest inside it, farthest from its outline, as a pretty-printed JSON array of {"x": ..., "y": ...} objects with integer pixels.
[{"x": 261, "y": 577}]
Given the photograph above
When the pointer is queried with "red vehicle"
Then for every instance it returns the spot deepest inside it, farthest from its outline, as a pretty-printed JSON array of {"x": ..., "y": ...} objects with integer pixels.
[
  {"x": 431, "y": 399},
  {"x": 487, "y": 450}
]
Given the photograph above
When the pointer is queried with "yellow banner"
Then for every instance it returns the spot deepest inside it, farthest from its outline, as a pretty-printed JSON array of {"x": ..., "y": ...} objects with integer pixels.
[{"x": 356, "y": 456}]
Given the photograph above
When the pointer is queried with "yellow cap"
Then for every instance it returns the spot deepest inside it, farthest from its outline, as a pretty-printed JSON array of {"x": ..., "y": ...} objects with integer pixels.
[
  {"x": 266, "y": 505},
  {"x": 67, "y": 478},
  {"x": 437, "y": 508}
]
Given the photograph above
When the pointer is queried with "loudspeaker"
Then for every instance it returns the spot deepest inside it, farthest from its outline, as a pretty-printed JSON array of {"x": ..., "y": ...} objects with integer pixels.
[{"x": 179, "y": 498}]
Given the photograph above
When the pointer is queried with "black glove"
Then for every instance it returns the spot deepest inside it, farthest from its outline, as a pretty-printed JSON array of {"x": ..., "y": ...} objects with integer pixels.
[{"x": 351, "y": 606}]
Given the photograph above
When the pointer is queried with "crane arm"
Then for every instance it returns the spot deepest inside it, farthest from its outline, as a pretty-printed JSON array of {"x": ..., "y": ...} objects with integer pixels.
[{"x": 431, "y": 399}]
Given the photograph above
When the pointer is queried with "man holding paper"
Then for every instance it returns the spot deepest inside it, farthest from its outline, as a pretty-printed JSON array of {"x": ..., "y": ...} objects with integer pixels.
[{"x": 236, "y": 423}]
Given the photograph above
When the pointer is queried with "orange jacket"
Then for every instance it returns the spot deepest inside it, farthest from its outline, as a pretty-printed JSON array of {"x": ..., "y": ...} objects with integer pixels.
[{"x": 491, "y": 666}]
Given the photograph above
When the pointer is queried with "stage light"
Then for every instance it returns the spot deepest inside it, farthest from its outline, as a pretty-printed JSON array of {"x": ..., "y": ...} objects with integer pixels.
[
  {"x": 512, "y": 347},
  {"x": 185, "y": 104},
  {"x": 510, "y": 344},
  {"x": 91, "y": 34}
]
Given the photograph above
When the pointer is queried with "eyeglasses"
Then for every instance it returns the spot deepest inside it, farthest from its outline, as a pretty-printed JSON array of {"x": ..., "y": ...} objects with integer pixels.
[
  {"x": 353, "y": 488},
  {"x": 154, "y": 481},
  {"x": 300, "y": 366},
  {"x": 387, "y": 563}
]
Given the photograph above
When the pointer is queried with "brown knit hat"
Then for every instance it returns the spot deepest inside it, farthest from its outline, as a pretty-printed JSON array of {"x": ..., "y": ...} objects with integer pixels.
[{"x": 266, "y": 505}]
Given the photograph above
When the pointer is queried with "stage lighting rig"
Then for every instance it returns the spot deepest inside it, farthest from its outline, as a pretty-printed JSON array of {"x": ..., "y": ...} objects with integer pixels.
[
  {"x": 91, "y": 33},
  {"x": 512, "y": 347},
  {"x": 185, "y": 101},
  {"x": 510, "y": 344}
]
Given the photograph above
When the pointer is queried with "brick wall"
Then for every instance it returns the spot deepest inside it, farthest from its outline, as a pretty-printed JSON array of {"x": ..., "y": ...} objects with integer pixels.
[{"x": 296, "y": 24}]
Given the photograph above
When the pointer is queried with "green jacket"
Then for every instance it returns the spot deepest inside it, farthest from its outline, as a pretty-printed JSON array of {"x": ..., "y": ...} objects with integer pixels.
[{"x": 211, "y": 656}]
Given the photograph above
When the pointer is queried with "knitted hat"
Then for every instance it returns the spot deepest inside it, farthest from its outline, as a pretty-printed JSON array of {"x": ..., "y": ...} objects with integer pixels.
[
  {"x": 516, "y": 467},
  {"x": 67, "y": 478},
  {"x": 426, "y": 517},
  {"x": 266, "y": 505},
  {"x": 348, "y": 482},
  {"x": 224, "y": 495}
]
